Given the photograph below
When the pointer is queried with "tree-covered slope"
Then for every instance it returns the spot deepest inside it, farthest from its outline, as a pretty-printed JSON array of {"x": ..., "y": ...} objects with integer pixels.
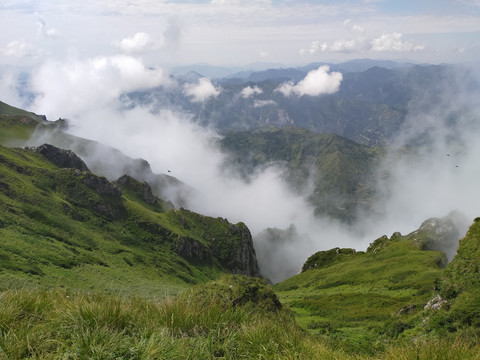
[{"x": 66, "y": 226}]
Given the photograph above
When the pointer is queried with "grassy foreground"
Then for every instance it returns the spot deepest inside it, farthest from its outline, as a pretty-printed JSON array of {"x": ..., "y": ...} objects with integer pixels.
[{"x": 234, "y": 317}]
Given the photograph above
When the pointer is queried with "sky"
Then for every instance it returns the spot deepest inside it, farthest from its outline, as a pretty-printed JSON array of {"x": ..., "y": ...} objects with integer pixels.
[{"x": 239, "y": 32}]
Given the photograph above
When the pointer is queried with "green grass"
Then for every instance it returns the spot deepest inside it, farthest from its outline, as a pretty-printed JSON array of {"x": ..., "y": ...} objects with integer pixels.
[
  {"x": 232, "y": 318},
  {"x": 355, "y": 298},
  {"x": 57, "y": 230},
  {"x": 205, "y": 322},
  {"x": 16, "y": 125}
]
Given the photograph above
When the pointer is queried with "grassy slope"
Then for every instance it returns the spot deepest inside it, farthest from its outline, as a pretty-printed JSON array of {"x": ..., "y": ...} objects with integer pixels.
[
  {"x": 460, "y": 287},
  {"x": 55, "y": 230},
  {"x": 358, "y": 298},
  {"x": 16, "y": 125}
]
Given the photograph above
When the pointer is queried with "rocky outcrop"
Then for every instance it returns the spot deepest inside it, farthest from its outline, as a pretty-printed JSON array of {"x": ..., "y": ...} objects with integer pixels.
[
  {"x": 215, "y": 240},
  {"x": 61, "y": 157},
  {"x": 191, "y": 249},
  {"x": 244, "y": 260},
  {"x": 110, "y": 203},
  {"x": 101, "y": 185},
  {"x": 144, "y": 188},
  {"x": 142, "y": 191},
  {"x": 441, "y": 234}
]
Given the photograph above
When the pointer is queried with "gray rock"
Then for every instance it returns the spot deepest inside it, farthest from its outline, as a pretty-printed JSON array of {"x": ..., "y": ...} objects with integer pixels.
[
  {"x": 101, "y": 185},
  {"x": 61, "y": 157},
  {"x": 192, "y": 249},
  {"x": 244, "y": 261}
]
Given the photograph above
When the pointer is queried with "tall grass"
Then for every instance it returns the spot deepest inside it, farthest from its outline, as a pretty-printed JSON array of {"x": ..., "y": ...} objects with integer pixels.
[
  {"x": 449, "y": 348},
  {"x": 210, "y": 321},
  {"x": 61, "y": 324}
]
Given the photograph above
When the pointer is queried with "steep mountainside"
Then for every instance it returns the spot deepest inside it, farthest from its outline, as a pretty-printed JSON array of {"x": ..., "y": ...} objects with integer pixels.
[
  {"x": 65, "y": 225},
  {"x": 339, "y": 171}
]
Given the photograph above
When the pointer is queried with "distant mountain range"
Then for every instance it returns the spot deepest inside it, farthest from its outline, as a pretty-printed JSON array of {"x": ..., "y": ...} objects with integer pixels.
[{"x": 370, "y": 106}]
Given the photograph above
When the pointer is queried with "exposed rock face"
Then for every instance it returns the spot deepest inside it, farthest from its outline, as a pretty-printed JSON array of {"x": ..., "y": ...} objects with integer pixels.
[
  {"x": 60, "y": 157},
  {"x": 148, "y": 194},
  {"x": 244, "y": 260},
  {"x": 233, "y": 249},
  {"x": 192, "y": 249},
  {"x": 111, "y": 204},
  {"x": 101, "y": 185}
]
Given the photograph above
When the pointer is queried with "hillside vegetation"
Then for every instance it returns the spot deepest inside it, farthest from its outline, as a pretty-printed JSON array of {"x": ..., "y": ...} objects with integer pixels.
[
  {"x": 17, "y": 125},
  {"x": 398, "y": 289},
  {"x": 69, "y": 227}
]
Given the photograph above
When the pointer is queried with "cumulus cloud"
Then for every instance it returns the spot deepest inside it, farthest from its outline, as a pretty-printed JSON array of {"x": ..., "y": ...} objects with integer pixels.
[
  {"x": 363, "y": 42},
  {"x": 77, "y": 86},
  {"x": 260, "y": 103},
  {"x": 393, "y": 42},
  {"x": 315, "y": 47},
  {"x": 140, "y": 42},
  {"x": 316, "y": 82},
  {"x": 250, "y": 91},
  {"x": 202, "y": 90}
]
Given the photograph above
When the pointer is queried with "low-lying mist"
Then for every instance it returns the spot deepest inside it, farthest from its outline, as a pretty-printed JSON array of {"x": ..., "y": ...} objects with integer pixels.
[{"x": 437, "y": 178}]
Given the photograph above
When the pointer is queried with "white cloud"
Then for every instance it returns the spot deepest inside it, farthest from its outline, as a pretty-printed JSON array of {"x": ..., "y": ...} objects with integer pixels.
[
  {"x": 315, "y": 47},
  {"x": 260, "y": 103},
  {"x": 17, "y": 48},
  {"x": 140, "y": 42},
  {"x": 394, "y": 42},
  {"x": 201, "y": 91},
  {"x": 250, "y": 91},
  {"x": 362, "y": 42},
  {"x": 316, "y": 82},
  {"x": 81, "y": 85},
  {"x": 348, "y": 46}
]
